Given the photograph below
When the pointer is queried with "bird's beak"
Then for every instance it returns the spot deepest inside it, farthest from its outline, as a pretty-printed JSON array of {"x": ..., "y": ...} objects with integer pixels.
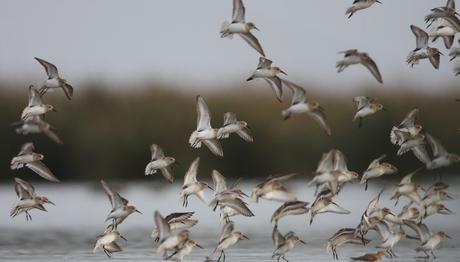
[
  {"x": 282, "y": 72},
  {"x": 244, "y": 194},
  {"x": 177, "y": 163},
  {"x": 211, "y": 188},
  {"x": 303, "y": 242},
  {"x": 448, "y": 236},
  {"x": 245, "y": 237},
  {"x": 377, "y": 1},
  {"x": 448, "y": 211},
  {"x": 122, "y": 237},
  {"x": 199, "y": 246},
  {"x": 51, "y": 203},
  {"x": 54, "y": 110},
  {"x": 139, "y": 212},
  {"x": 384, "y": 109},
  {"x": 255, "y": 27},
  {"x": 441, "y": 53},
  {"x": 449, "y": 197}
]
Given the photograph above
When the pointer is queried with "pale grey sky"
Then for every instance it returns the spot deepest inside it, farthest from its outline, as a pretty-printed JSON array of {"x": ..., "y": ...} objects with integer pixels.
[{"x": 178, "y": 41}]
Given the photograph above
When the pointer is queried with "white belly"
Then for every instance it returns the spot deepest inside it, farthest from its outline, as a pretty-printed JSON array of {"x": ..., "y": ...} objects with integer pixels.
[
  {"x": 237, "y": 28},
  {"x": 52, "y": 83},
  {"x": 206, "y": 134},
  {"x": 263, "y": 73}
]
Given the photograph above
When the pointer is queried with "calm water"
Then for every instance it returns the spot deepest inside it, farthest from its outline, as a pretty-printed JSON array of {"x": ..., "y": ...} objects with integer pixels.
[{"x": 67, "y": 231}]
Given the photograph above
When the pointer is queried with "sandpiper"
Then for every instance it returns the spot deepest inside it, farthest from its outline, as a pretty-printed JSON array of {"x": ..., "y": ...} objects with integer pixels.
[
  {"x": 35, "y": 107},
  {"x": 371, "y": 257},
  {"x": 273, "y": 189},
  {"x": 160, "y": 162},
  {"x": 342, "y": 237},
  {"x": 107, "y": 242},
  {"x": 232, "y": 125},
  {"x": 389, "y": 238},
  {"x": 204, "y": 133},
  {"x": 284, "y": 243},
  {"x": 168, "y": 240},
  {"x": 409, "y": 213},
  {"x": 333, "y": 171},
  {"x": 436, "y": 197},
  {"x": 269, "y": 73},
  {"x": 289, "y": 209},
  {"x": 442, "y": 158},
  {"x": 422, "y": 50},
  {"x": 177, "y": 222},
  {"x": 300, "y": 105},
  {"x": 228, "y": 238},
  {"x": 28, "y": 199},
  {"x": 324, "y": 204},
  {"x": 191, "y": 185},
  {"x": 54, "y": 81},
  {"x": 365, "y": 106},
  {"x": 28, "y": 158},
  {"x": 429, "y": 241},
  {"x": 120, "y": 208},
  {"x": 35, "y": 125},
  {"x": 360, "y": 5},
  {"x": 408, "y": 189},
  {"x": 183, "y": 250},
  {"x": 377, "y": 169},
  {"x": 455, "y": 52},
  {"x": 353, "y": 57},
  {"x": 240, "y": 27},
  {"x": 436, "y": 208}
]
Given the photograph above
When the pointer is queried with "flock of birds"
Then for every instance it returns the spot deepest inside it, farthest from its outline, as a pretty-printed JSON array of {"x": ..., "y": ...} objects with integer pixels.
[{"x": 173, "y": 232}]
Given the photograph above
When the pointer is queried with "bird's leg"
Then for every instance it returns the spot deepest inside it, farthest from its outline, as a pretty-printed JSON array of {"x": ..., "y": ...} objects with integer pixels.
[
  {"x": 316, "y": 189},
  {"x": 432, "y": 253},
  {"x": 108, "y": 253},
  {"x": 279, "y": 257},
  {"x": 215, "y": 207},
  {"x": 219, "y": 256},
  {"x": 388, "y": 254},
  {"x": 427, "y": 256},
  {"x": 224, "y": 255},
  {"x": 365, "y": 188},
  {"x": 393, "y": 253},
  {"x": 285, "y": 259}
]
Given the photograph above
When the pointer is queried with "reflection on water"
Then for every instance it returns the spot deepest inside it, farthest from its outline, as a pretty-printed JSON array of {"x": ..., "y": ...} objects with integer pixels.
[{"x": 67, "y": 231}]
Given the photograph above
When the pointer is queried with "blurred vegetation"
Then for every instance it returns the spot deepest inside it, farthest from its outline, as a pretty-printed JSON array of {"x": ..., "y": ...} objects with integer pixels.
[{"x": 107, "y": 133}]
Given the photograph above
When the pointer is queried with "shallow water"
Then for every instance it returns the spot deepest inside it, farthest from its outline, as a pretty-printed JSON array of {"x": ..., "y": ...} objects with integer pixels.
[{"x": 67, "y": 231}]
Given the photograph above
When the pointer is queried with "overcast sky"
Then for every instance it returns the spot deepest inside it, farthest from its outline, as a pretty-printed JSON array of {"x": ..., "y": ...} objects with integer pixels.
[{"x": 179, "y": 41}]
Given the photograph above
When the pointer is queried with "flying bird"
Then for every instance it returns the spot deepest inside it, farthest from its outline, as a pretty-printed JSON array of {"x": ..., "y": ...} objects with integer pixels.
[
  {"x": 353, "y": 57},
  {"x": 240, "y": 27},
  {"x": 54, "y": 80},
  {"x": 269, "y": 73}
]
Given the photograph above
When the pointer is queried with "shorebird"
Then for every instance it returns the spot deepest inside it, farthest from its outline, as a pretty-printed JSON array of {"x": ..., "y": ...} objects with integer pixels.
[
  {"x": 28, "y": 158},
  {"x": 289, "y": 209},
  {"x": 422, "y": 50},
  {"x": 409, "y": 213},
  {"x": 436, "y": 197},
  {"x": 371, "y": 257},
  {"x": 353, "y": 57},
  {"x": 436, "y": 187},
  {"x": 333, "y": 171},
  {"x": 160, "y": 162},
  {"x": 406, "y": 131},
  {"x": 35, "y": 125},
  {"x": 107, "y": 242},
  {"x": 377, "y": 169},
  {"x": 365, "y": 106},
  {"x": 28, "y": 199},
  {"x": 360, "y": 5},
  {"x": 408, "y": 189},
  {"x": 450, "y": 24},
  {"x": 35, "y": 107},
  {"x": 191, "y": 185},
  {"x": 389, "y": 237},
  {"x": 184, "y": 250},
  {"x": 177, "y": 222},
  {"x": 269, "y": 73},
  {"x": 437, "y": 208},
  {"x": 429, "y": 241},
  {"x": 240, "y": 27},
  {"x": 232, "y": 125},
  {"x": 342, "y": 237},
  {"x": 204, "y": 133},
  {"x": 284, "y": 243},
  {"x": 169, "y": 240},
  {"x": 442, "y": 158},
  {"x": 324, "y": 204},
  {"x": 300, "y": 105},
  {"x": 54, "y": 81},
  {"x": 273, "y": 189},
  {"x": 228, "y": 238},
  {"x": 120, "y": 208}
]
